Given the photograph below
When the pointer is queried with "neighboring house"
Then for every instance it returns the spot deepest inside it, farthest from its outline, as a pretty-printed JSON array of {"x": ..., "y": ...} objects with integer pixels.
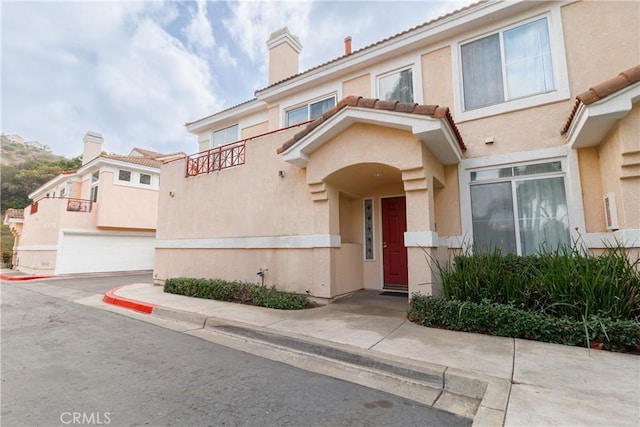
[
  {"x": 358, "y": 172},
  {"x": 99, "y": 218}
]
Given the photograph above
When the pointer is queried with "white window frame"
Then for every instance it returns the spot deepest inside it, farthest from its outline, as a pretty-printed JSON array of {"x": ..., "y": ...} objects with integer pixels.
[
  {"x": 558, "y": 59},
  {"x": 125, "y": 180},
  {"x": 398, "y": 71},
  {"x": 573, "y": 187},
  {"x": 144, "y": 183},
  {"x": 307, "y": 105},
  {"x": 94, "y": 185},
  {"x": 373, "y": 230},
  {"x": 213, "y": 144}
]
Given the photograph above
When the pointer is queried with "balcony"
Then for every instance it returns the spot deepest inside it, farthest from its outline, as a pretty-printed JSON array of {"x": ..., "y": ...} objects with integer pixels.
[
  {"x": 216, "y": 159},
  {"x": 61, "y": 212},
  {"x": 79, "y": 205}
]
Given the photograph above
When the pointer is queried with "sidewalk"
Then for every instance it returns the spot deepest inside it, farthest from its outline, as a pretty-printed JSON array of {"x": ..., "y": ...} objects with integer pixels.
[{"x": 525, "y": 382}]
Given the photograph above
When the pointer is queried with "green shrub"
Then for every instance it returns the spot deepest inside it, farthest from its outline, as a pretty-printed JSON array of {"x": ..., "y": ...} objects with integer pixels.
[
  {"x": 506, "y": 320},
  {"x": 565, "y": 282},
  {"x": 239, "y": 292}
]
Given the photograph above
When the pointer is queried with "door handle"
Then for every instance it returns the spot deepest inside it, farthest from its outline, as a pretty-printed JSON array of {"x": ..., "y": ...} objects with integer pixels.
[{"x": 384, "y": 245}]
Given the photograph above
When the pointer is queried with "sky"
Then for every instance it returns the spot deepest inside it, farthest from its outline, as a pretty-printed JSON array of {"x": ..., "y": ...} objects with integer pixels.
[{"x": 137, "y": 71}]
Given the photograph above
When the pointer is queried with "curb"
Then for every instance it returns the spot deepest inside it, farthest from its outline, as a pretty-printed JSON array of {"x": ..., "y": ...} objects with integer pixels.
[
  {"x": 22, "y": 278},
  {"x": 111, "y": 298}
]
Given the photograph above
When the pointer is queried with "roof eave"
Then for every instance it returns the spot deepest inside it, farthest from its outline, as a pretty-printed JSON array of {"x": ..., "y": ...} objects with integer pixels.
[
  {"x": 228, "y": 114},
  {"x": 395, "y": 45},
  {"x": 436, "y": 133},
  {"x": 592, "y": 122}
]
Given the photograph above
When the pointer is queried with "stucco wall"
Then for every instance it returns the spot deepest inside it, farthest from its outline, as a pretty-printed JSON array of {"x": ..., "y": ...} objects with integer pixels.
[
  {"x": 601, "y": 40},
  {"x": 437, "y": 83},
  {"x": 227, "y": 203},
  {"x": 591, "y": 183},
  {"x": 621, "y": 146},
  {"x": 359, "y": 86},
  {"x": 447, "y": 204},
  {"x": 122, "y": 206}
]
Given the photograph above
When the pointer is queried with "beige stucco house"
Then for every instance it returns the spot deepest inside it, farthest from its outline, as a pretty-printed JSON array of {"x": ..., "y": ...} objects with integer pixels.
[
  {"x": 101, "y": 217},
  {"x": 473, "y": 128}
]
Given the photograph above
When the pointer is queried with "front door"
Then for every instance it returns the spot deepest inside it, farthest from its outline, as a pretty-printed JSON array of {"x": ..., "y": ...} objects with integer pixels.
[{"x": 394, "y": 253}]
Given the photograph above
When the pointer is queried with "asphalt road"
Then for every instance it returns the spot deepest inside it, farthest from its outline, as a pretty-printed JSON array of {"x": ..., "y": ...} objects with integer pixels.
[{"x": 69, "y": 364}]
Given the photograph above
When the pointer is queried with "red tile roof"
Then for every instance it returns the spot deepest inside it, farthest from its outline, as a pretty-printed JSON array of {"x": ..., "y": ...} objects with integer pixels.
[
  {"x": 432, "y": 21},
  {"x": 425, "y": 24},
  {"x": 144, "y": 161},
  {"x": 433, "y": 111},
  {"x": 602, "y": 90}
]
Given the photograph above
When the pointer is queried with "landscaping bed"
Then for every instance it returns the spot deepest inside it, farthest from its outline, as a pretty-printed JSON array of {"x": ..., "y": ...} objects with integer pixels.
[
  {"x": 565, "y": 297},
  {"x": 238, "y": 292}
]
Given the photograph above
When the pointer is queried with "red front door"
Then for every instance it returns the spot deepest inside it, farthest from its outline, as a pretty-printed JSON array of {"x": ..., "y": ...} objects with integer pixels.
[{"x": 394, "y": 253}]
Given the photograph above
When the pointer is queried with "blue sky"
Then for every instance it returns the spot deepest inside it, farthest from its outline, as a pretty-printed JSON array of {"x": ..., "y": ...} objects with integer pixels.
[{"x": 136, "y": 71}]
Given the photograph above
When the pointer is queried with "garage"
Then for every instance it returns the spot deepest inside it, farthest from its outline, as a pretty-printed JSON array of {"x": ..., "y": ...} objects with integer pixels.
[{"x": 104, "y": 251}]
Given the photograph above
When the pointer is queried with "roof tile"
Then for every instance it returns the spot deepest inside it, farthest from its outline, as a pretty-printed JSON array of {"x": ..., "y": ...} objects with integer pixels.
[
  {"x": 357, "y": 101},
  {"x": 386, "y": 105},
  {"x": 602, "y": 90}
]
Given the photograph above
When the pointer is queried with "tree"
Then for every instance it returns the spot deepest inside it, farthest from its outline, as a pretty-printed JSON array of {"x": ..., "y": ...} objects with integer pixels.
[{"x": 17, "y": 182}]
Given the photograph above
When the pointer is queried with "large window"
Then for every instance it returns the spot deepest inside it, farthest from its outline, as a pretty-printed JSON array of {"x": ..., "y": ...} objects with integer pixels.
[
  {"x": 507, "y": 65},
  {"x": 397, "y": 86},
  {"x": 520, "y": 209},
  {"x": 225, "y": 136},
  {"x": 310, "y": 111}
]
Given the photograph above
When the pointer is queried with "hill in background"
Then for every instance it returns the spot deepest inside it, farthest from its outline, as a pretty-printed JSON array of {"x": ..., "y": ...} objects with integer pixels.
[{"x": 15, "y": 150}]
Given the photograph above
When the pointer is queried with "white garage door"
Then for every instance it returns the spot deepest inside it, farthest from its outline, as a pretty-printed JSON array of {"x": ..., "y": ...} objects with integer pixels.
[{"x": 89, "y": 253}]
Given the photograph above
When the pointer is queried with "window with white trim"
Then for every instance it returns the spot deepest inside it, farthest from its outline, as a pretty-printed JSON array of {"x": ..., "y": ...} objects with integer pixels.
[
  {"x": 95, "y": 180},
  {"x": 145, "y": 179},
  {"x": 509, "y": 64},
  {"x": 520, "y": 209},
  {"x": 225, "y": 136},
  {"x": 124, "y": 175},
  {"x": 309, "y": 111},
  {"x": 397, "y": 86}
]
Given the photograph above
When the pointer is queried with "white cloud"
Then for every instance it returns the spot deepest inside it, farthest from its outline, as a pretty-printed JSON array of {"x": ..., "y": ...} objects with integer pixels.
[
  {"x": 138, "y": 70},
  {"x": 198, "y": 32},
  {"x": 252, "y": 23},
  {"x": 109, "y": 67}
]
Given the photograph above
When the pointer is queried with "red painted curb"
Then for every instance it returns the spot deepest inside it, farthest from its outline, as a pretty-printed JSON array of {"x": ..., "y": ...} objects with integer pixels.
[
  {"x": 22, "y": 278},
  {"x": 111, "y": 298}
]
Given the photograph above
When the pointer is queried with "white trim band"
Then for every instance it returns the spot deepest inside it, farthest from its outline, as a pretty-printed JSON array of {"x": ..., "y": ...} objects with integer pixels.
[
  {"x": 421, "y": 239},
  {"x": 267, "y": 242},
  {"x": 629, "y": 238},
  {"x": 37, "y": 248}
]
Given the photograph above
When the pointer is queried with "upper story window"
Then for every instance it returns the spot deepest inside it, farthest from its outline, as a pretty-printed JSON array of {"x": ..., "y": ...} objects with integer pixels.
[
  {"x": 95, "y": 178},
  {"x": 225, "y": 136},
  {"x": 397, "y": 86},
  {"x": 124, "y": 175},
  {"x": 309, "y": 111},
  {"x": 507, "y": 65},
  {"x": 145, "y": 179}
]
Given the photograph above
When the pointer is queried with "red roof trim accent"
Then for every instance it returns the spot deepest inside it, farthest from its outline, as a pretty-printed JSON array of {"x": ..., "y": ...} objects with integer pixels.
[
  {"x": 602, "y": 90},
  {"x": 434, "y": 111}
]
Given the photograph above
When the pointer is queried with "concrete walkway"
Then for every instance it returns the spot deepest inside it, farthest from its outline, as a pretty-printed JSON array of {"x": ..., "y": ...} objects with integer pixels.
[{"x": 517, "y": 382}]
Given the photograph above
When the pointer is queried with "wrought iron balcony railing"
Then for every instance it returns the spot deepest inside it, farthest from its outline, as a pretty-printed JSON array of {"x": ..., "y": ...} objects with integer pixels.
[{"x": 215, "y": 159}]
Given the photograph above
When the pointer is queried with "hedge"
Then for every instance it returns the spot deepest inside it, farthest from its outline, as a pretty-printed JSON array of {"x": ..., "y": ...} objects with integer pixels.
[
  {"x": 506, "y": 320},
  {"x": 238, "y": 292}
]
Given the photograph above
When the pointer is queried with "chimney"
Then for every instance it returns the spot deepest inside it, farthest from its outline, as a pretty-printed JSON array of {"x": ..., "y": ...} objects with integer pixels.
[
  {"x": 92, "y": 146},
  {"x": 347, "y": 45},
  {"x": 284, "y": 51}
]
